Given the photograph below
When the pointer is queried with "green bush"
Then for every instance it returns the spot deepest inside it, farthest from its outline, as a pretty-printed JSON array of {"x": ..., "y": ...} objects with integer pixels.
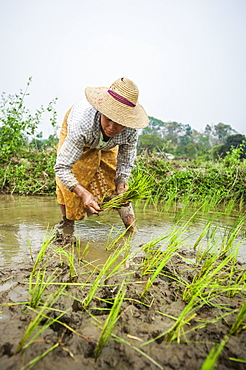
[{"x": 18, "y": 126}]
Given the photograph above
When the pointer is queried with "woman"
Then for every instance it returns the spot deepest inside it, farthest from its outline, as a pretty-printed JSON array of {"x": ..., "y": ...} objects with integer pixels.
[{"x": 97, "y": 149}]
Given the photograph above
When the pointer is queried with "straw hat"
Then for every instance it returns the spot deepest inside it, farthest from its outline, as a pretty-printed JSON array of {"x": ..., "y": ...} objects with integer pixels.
[{"x": 119, "y": 102}]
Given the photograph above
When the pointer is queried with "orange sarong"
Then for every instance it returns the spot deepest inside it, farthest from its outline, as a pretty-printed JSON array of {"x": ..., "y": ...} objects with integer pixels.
[{"x": 95, "y": 170}]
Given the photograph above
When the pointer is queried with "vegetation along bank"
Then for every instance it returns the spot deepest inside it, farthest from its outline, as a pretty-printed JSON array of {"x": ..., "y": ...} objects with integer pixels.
[{"x": 211, "y": 163}]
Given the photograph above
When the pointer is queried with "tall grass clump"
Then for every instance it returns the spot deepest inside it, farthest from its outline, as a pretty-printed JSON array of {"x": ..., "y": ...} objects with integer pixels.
[{"x": 209, "y": 186}]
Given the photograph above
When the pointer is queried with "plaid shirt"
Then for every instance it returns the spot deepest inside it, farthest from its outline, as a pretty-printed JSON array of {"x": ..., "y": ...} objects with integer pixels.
[{"x": 84, "y": 130}]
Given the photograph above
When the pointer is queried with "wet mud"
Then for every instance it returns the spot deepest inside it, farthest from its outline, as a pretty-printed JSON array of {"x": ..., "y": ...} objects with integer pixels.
[{"x": 141, "y": 320}]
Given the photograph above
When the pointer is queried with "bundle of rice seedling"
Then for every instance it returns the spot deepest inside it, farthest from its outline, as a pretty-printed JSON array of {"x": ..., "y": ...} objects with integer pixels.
[{"x": 139, "y": 188}]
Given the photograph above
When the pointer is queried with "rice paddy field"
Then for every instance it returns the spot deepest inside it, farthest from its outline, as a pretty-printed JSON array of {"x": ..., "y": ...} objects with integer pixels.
[
  {"x": 172, "y": 300},
  {"x": 172, "y": 296}
]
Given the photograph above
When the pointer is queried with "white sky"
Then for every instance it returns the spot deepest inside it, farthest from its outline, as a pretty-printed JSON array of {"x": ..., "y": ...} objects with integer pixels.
[{"x": 187, "y": 57}]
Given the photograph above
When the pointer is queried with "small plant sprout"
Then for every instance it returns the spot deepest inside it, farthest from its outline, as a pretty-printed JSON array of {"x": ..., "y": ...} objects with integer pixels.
[
  {"x": 85, "y": 251},
  {"x": 110, "y": 267},
  {"x": 38, "y": 285},
  {"x": 111, "y": 321},
  {"x": 32, "y": 331},
  {"x": 210, "y": 279},
  {"x": 70, "y": 256},
  {"x": 48, "y": 238},
  {"x": 162, "y": 259},
  {"x": 33, "y": 362},
  {"x": 238, "y": 325},
  {"x": 229, "y": 239},
  {"x": 120, "y": 236}
]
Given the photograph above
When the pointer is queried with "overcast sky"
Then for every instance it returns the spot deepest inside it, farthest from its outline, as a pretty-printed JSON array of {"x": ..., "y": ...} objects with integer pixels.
[{"x": 187, "y": 57}]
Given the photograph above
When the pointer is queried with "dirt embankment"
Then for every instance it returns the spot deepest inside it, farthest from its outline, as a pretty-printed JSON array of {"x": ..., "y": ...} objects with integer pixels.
[{"x": 141, "y": 319}]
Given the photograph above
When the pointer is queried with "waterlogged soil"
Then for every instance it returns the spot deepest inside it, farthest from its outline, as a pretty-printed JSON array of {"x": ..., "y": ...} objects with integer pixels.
[{"x": 141, "y": 319}]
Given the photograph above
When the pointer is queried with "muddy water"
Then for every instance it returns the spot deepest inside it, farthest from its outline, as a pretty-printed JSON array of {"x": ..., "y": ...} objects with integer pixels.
[{"x": 25, "y": 221}]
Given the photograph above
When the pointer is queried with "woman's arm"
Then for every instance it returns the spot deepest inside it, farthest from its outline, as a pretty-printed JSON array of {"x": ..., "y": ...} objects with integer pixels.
[
  {"x": 89, "y": 202},
  {"x": 67, "y": 156}
]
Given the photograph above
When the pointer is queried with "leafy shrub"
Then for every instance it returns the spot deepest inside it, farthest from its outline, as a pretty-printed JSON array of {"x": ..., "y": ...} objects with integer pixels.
[{"x": 17, "y": 124}]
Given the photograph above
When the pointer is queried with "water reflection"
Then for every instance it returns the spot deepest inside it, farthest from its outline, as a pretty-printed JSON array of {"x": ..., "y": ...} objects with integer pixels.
[{"x": 25, "y": 220}]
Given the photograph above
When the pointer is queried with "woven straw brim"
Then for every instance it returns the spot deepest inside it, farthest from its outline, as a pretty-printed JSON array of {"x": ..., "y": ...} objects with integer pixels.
[{"x": 100, "y": 99}]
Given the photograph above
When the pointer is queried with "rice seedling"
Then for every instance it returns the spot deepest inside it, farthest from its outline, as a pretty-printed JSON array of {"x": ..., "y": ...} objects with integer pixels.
[
  {"x": 145, "y": 355},
  {"x": 202, "y": 235},
  {"x": 216, "y": 350},
  {"x": 110, "y": 244},
  {"x": 177, "y": 335},
  {"x": 213, "y": 269},
  {"x": 188, "y": 314},
  {"x": 238, "y": 285},
  {"x": 158, "y": 264},
  {"x": 111, "y": 321},
  {"x": 209, "y": 281},
  {"x": 38, "y": 285},
  {"x": 70, "y": 256},
  {"x": 153, "y": 258},
  {"x": 33, "y": 362},
  {"x": 152, "y": 255},
  {"x": 48, "y": 238},
  {"x": 211, "y": 247},
  {"x": 121, "y": 340},
  {"x": 106, "y": 271},
  {"x": 229, "y": 239},
  {"x": 239, "y": 323},
  {"x": 34, "y": 324},
  {"x": 156, "y": 259},
  {"x": 139, "y": 188},
  {"x": 204, "y": 288},
  {"x": 85, "y": 251},
  {"x": 202, "y": 323},
  {"x": 238, "y": 360}
]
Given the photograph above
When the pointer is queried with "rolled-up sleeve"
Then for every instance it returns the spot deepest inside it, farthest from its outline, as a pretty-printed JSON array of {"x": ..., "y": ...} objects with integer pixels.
[
  {"x": 80, "y": 124},
  {"x": 69, "y": 153}
]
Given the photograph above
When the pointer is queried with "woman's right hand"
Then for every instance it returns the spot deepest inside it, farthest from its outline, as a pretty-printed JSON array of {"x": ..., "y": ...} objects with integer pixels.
[{"x": 89, "y": 201}]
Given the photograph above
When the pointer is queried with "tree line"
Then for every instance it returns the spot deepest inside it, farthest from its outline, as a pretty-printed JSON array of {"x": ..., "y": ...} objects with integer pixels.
[
  {"x": 183, "y": 141},
  {"x": 19, "y": 131}
]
